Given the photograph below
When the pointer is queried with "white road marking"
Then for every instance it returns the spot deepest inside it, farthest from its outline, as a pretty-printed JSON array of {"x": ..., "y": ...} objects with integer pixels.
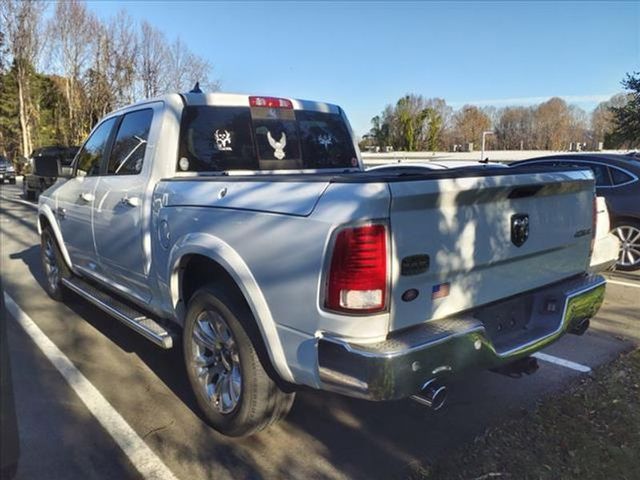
[
  {"x": 141, "y": 456},
  {"x": 626, "y": 284},
  {"x": 578, "y": 367}
]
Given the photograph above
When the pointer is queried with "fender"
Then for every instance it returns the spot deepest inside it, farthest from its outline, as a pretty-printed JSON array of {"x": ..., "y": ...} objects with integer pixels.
[
  {"x": 45, "y": 210},
  {"x": 220, "y": 252}
]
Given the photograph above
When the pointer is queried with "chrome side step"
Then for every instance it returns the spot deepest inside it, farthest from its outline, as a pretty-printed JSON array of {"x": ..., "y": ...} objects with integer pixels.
[{"x": 131, "y": 317}]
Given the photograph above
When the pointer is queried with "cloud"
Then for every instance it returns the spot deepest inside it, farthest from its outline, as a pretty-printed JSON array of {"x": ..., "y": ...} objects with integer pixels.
[{"x": 592, "y": 99}]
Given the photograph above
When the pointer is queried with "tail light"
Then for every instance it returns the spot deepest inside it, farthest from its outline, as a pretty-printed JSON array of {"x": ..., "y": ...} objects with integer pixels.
[
  {"x": 358, "y": 273},
  {"x": 270, "y": 102}
]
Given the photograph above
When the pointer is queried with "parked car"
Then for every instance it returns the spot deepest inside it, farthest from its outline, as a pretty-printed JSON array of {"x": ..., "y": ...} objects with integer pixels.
[
  {"x": 606, "y": 244},
  {"x": 247, "y": 227},
  {"x": 617, "y": 181},
  {"x": 47, "y": 164},
  {"x": 7, "y": 171}
]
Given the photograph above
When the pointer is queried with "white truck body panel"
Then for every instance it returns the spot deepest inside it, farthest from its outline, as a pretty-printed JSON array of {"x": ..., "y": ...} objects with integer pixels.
[{"x": 273, "y": 233}]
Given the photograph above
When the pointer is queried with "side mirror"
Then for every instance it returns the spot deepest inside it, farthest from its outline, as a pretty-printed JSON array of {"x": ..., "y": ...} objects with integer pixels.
[{"x": 65, "y": 171}]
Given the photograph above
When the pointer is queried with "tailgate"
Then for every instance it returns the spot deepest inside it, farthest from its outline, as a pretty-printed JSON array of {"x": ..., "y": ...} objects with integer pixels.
[{"x": 460, "y": 241}]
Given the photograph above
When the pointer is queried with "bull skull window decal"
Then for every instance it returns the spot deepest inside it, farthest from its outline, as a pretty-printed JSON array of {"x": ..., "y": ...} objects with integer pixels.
[
  {"x": 325, "y": 140},
  {"x": 223, "y": 140}
]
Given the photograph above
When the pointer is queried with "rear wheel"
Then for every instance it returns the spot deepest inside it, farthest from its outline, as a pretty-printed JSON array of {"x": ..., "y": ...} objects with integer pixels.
[
  {"x": 629, "y": 234},
  {"x": 231, "y": 385},
  {"x": 53, "y": 265}
]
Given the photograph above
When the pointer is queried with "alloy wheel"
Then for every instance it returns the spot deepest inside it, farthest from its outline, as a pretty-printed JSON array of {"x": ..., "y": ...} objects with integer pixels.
[
  {"x": 629, "y": 246},
  {"x": 216, "y": 361},
  {"x": 51, "y": 269}
]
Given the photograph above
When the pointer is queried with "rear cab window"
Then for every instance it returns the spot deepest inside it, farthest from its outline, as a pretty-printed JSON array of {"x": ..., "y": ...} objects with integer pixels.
[{"x": 222, "y": 138}]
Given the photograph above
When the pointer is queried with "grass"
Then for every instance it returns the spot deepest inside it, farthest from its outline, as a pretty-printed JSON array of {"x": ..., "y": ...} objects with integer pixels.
[{"x": 591, "y": 431}]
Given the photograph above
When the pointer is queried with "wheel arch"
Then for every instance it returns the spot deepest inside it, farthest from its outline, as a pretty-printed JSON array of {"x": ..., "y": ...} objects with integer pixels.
[
  {"x": 202, "y": 259},
  {"x": 47, "y": 219}
]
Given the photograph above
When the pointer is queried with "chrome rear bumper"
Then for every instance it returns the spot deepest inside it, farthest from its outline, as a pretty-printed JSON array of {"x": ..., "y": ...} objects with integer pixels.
[{"x": 399, "y": 366}]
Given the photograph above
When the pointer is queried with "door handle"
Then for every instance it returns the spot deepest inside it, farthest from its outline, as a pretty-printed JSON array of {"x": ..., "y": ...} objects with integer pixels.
[
  {"x": 86, "y": 197},
  {"x": 130, "y": 201}
]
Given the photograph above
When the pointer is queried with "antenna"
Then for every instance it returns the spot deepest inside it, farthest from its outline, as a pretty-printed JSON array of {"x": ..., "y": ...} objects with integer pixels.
[{"x": 196, "y": 88}]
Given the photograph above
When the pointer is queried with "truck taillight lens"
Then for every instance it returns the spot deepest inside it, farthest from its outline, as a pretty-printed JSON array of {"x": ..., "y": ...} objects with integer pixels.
[
  {"x": 270, "y": 102},
  {"x": 358, "y": 273}
]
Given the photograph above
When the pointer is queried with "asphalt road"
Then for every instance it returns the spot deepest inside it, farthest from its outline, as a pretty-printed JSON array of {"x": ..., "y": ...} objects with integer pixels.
[{"x": 325, "y": 436}]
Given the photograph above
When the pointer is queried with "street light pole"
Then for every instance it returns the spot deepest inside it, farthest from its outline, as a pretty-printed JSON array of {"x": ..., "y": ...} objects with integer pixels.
[{"x": 484, "y": 134}]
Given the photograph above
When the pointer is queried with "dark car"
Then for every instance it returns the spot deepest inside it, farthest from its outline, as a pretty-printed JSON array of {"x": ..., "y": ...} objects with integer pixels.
[
  {"x": 617, "y": 180},
  {"x": 47, "y": 162},
  {"x": 7, "y": 172}
]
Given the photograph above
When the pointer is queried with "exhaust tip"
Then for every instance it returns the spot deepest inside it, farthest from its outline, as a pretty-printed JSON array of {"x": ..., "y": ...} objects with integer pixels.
[{"x": 433, "y": 395}]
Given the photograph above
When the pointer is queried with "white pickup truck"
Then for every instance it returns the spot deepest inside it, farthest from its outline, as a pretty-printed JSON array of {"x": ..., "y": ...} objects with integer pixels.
[{"x": 248, "y": 228}]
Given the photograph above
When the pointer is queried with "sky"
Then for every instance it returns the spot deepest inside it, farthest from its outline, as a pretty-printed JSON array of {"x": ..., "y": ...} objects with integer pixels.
[{"x": 365, "y": 55}]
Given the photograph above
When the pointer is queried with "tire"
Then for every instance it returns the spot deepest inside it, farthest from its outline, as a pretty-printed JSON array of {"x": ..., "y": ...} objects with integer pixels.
[
  {"x": 53, "y": 265},
  {"x": 628, "y": 232},
  {"x": 12, "y": 181},
  {"x": 232, "y": 387}
]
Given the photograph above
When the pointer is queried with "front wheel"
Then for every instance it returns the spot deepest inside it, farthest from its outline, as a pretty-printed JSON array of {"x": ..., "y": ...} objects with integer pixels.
[
  {"x": 230, "y": 383},
  {"x": 629, "y": 234},
  {"x": 53, "y": 265}
]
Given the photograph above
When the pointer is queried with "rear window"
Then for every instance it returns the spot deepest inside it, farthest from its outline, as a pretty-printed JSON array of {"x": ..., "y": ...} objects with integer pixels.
[{"x": 259, "y": 138}]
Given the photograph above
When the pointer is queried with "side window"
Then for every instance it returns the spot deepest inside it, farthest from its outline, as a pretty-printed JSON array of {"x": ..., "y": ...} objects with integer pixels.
[
  {"x": 90, "y": 156},
  {"x": 601, "y": 173},
  {"x": 619, "y": 177},
  {"x": 127, "y": 154}
]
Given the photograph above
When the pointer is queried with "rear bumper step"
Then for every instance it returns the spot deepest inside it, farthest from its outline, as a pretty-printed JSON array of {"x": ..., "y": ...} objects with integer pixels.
[
  {"x": 131, "y": 317},
  {"x": 399, "y": 366}
]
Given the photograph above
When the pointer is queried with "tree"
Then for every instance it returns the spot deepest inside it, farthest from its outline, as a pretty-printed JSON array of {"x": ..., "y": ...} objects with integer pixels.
[
  {"x": 434, "y": 123},
  {"x": 514, "y": 128},
  {"x": 470, "y": 122},
  {"x": 153, "y": 55},
  {"x": 184, "y": 69},
  {"x": 552, "y": 124},
  {"x": 73, "y": 31},
  {"x": 626, "y": 118},
  {"x": 21, "y": 23}
]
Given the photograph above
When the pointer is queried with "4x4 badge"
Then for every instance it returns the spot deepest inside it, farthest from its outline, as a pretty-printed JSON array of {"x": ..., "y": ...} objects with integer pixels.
[{"x": 519, "y": 228}]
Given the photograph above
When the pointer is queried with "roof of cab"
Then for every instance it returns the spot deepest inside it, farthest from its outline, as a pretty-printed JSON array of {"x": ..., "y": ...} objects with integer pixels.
[{"x": 229, "y": 100}]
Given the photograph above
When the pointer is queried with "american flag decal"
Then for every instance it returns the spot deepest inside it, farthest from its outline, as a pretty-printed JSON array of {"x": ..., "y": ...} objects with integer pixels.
[{"x": 440, "y": 291}]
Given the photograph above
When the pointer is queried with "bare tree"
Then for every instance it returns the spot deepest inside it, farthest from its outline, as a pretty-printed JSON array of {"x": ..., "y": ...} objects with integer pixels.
[
  {"x": 73, "y": 31},
  {"x": 153, "y": 56},
  {"x": 578, "y": 125},
  {"x": 120, "y": 51},
  {"x": 552, "y": 124},
  {"x": 470, "y": 122},
  {"x": 184, "y": 69},
  {"x": 21, "y": 23},
  {"x": 514, "y": 128}
]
